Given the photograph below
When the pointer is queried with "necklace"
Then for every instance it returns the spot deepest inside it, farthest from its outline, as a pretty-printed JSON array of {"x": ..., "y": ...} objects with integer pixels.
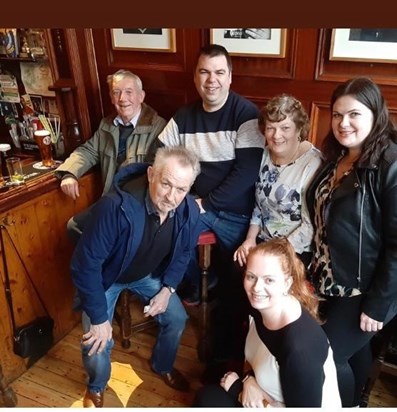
[
  {"x": 290, "y": 159},
  {"x": 278, "y": 169},
  {"x": 345, "y": 166}
]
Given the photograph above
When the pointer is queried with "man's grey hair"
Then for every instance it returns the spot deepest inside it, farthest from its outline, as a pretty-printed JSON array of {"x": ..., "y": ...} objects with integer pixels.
[
  {"x": 184, "y": 157},
  {"x": 122, "y": 74}
]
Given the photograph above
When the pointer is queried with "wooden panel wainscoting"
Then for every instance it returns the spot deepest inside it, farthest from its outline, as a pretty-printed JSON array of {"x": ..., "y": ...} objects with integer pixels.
[
  {"x": 320, "y": 122},
  {"x": 38, "y": 230}
]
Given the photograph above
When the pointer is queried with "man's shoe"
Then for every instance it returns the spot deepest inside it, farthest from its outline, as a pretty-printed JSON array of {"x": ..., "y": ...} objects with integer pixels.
[
  {"x": 175, "y": 380},
  {"x": 93, "y": 399}
]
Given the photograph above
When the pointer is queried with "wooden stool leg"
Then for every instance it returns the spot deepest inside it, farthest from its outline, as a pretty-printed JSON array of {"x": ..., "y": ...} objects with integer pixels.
[
  {"x": 8, "y": 395},
  {"x": 204, "y": 343},
  {"x": 125, "y": 321}
]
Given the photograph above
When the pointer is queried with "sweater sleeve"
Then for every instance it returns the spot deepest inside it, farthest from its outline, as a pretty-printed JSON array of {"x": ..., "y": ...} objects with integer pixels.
[
  {"x": 82, "y": 159},
  {"x": 302, "y": 378}
]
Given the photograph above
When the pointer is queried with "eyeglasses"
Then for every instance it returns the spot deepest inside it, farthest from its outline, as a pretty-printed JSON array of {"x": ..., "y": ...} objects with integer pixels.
[{"x": 127, "y": 92}]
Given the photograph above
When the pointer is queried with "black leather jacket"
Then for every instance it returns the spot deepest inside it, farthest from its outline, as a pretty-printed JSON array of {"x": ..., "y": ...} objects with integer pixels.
[{"x": 361, "y": 226}]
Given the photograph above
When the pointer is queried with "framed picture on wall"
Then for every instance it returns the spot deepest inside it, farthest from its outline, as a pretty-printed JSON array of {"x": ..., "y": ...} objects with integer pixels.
[
  {"x": 373, "y": 45},
  {"x": 149, "y": 39},
  {"x": 251, "y": 42}
]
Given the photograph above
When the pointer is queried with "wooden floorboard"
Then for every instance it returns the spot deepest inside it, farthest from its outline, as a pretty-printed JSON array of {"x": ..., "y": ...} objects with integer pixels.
[{"x": 58, "y": 379}]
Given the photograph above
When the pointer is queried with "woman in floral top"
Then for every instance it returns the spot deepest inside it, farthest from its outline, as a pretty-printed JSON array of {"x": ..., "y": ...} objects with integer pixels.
[{"x": 288, "y": 165}]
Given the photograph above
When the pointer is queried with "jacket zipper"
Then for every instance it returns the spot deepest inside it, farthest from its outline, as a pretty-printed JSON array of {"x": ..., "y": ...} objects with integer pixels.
[{"x": 361, "y": 233}]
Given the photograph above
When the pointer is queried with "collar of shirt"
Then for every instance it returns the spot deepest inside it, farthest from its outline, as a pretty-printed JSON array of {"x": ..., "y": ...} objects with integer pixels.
[
  {"x": 151, "y": 209},
  {"x": 118, "y": 120}
]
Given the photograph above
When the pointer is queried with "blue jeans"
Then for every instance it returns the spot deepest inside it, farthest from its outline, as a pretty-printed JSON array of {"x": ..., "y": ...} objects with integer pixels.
[
  {"x": 230, "y": 230},
  {"x": 171, "y": 325}
]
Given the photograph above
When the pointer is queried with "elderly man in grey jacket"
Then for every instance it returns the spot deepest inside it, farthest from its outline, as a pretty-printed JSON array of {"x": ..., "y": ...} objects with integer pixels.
[{"x": 119, "y": 140}]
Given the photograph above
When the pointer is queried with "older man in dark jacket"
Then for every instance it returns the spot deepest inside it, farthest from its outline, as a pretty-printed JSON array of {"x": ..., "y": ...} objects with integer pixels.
[{"x": 140, "y": 237}]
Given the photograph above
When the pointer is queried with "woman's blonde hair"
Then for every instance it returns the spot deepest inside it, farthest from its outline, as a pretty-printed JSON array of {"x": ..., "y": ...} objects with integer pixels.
[{"x": 293, "y": 267}]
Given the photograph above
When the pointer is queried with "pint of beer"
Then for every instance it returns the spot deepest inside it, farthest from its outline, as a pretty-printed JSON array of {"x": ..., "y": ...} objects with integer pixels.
[{"x": 43, "y": 140}]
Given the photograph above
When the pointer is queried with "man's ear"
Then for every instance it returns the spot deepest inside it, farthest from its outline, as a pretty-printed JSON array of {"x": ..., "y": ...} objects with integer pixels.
[{"x": 150, "y": 173}]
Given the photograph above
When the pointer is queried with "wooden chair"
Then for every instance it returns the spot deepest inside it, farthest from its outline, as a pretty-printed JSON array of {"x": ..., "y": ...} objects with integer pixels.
[
  {"x": 381, "y": 364},
  {"x": 123, "y": 314},
  {"x": 124, "y": 319}
]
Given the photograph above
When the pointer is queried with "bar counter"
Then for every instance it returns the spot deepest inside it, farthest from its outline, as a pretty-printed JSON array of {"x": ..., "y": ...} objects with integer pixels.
[
  {"x": 43, "y": 181},
  {"x": 34, "y": 217}
]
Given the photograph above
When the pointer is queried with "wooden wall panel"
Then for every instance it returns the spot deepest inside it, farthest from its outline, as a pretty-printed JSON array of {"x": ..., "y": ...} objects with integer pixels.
[
  {"x": 283, "y": 68},
  {"x": 319, "y": 122},
  {"x": 306, "y": 72},
  {"x": 334, "y": 70},
  {"x": 167, "y": 77}
]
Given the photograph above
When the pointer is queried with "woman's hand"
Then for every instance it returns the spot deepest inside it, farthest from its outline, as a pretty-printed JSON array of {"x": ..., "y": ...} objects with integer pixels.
[
  {"x": 369, "y": 325},
  {"x": 242, "y": 252},
  {"x": 228, "y": 379},
  {"x": 253, "y": 396}
]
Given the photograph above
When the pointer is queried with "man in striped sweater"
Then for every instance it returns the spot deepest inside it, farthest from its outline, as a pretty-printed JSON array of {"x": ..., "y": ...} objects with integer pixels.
[{"x": 222, "y": 129}]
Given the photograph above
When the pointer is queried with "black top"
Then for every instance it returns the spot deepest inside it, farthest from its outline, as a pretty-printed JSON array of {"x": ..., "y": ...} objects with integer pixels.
[{"x": 155, "y": 245}]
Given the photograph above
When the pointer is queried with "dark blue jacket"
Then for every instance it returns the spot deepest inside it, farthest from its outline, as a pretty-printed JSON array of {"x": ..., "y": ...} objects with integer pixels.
[{"x": 112, "y": 237}]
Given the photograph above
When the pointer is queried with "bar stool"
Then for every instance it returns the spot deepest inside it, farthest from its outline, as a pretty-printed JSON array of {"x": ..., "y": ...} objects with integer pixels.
[
  {"x": 205, "y": 243},
  {"x": 123, "y": 316},
  {"x": 124, "y": 319}
]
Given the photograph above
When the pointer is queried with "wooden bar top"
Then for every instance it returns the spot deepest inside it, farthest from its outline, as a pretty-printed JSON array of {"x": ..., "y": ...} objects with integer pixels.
[{"x": 36, "y": 183}]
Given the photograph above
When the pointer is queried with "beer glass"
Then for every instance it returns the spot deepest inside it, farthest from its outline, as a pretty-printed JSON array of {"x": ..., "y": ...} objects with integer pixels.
[
  {"x": 43, "y": 140},
  {"x": 15, "y": 171}
]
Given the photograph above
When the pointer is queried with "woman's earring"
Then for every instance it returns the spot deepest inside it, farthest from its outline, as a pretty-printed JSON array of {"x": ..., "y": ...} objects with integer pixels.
[{"x": 285, "y": 293}]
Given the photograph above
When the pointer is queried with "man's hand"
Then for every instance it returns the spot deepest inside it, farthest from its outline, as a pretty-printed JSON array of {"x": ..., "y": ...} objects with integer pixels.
[
  {"x": 159, "y": 303},
  {"x": 369, "y": 325},
  {"x": 98, "y": 336},
  {"x": 70, "y": 186}
]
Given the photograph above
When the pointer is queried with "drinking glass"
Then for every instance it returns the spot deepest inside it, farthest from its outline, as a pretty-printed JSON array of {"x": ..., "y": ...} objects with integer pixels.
[{"x": 14, "y": 167}]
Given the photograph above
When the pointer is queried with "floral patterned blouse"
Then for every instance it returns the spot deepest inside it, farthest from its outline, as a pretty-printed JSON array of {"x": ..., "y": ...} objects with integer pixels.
[{"x": 280, "y": 207}]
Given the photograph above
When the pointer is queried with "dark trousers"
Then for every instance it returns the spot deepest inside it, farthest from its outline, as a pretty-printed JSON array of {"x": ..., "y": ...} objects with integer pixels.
[
  {"x": 215, "y": 396},
  {"x": 350, "y": 345}
]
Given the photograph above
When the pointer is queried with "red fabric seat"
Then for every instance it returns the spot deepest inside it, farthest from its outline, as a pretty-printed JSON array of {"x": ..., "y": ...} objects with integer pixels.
[{"x": 207, "y": 238}]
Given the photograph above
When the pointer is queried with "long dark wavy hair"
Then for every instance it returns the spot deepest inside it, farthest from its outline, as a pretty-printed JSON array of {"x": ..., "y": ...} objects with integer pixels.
[{"x": 383, "y": 130}]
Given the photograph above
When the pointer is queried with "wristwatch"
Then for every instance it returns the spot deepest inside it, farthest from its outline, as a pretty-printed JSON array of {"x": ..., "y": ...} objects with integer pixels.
[{"x": 170, "y": 288}]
